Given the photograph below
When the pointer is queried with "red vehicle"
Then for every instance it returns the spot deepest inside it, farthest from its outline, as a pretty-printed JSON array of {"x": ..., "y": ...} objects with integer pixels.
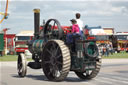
[
  {"x": 10, "y": 43},
  {"x": 122, "y": 41},
  {"x": 21, "y": 41},
  {"x": 67, "y": 29}
]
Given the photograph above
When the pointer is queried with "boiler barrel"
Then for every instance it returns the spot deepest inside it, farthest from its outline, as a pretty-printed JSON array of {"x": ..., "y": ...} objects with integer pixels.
[{"x": 36, "y": 46}]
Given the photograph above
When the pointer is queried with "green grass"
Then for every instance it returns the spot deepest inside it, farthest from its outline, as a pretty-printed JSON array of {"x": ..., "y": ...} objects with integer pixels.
[
  {"x": 114, "y": 56},
  {"x": 117, "y": 55},
  {"x": 8, "y": 58}
]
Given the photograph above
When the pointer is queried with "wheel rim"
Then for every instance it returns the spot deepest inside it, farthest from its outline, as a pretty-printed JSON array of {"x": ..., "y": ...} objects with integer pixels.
[
  {"x": 90, "y": 73},
  {"x": 53, "y": 61},
  {"x": 53, "y": 30},
  {"x": 21, "y": 65}
]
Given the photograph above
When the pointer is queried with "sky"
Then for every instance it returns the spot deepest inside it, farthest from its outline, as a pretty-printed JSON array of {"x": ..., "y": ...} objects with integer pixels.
[{"x": 105, "y": 13}]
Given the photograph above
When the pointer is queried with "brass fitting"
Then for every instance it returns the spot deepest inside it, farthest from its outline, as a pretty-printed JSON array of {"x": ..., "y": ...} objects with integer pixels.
[{"x": 36, "y": 10}]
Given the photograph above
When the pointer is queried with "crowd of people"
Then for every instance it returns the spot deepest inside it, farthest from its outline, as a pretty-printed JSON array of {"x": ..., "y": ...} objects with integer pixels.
[{"x": 106, "y": 49}]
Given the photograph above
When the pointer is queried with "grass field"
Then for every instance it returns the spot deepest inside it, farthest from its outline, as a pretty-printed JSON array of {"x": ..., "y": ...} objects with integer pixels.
[
  {"x": 9, "y": 58},
  {"x": 115, "y": 55}
]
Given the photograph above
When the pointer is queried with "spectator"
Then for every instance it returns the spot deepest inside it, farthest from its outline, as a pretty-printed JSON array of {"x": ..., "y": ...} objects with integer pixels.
[
  {"x": 102, "y": 50},
  {"x": 107, "y": 49},
  {"x": 111, "y": 48}
]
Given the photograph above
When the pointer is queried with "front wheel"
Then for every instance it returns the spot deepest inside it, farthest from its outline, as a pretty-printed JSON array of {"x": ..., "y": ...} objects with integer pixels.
[{"x": 22, "y": 65}]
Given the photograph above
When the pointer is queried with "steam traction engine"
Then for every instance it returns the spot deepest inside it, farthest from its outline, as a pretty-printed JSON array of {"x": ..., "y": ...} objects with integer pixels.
[{"x": 56, "y": 57}]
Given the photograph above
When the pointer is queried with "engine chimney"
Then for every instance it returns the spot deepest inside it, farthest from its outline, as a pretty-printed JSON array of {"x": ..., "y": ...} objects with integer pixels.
[{"x": 36, "y": 23}]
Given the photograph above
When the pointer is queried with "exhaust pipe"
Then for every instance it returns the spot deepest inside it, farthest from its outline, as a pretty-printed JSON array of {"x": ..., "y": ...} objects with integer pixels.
[{"x": 36, "y": 23}]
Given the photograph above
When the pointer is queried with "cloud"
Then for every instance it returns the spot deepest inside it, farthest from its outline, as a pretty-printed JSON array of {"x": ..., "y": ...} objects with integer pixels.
[
  {"x": 104, "y": 13},
  {"x": 66, "y": 0},
  {"x": 105, "y": 9}
]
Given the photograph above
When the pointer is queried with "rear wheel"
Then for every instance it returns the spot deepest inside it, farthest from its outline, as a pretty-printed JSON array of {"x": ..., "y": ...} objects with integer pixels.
[
  {"x": 90, "y": 73},
  {"x": 22, "y": 65},
  {"x": 56, "y": 60}
]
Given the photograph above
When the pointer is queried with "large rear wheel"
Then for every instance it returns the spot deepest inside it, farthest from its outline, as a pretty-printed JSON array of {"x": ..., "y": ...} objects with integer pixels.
[
  {"x": 89, "y": 74},
  {"x": 56, "y": 60}
]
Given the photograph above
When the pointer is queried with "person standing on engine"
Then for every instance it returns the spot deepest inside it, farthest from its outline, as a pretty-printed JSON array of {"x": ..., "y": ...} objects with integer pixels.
[{"x": 79, "y": 22}]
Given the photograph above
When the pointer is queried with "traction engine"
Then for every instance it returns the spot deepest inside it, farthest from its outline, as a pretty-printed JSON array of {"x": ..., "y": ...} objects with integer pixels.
[{"x": 51, "y": 52}]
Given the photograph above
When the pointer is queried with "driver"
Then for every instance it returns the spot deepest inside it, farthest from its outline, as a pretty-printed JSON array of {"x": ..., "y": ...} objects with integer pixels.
[
  {"x": 75, "y": 31},
  {"x": 75, "y": 27}
]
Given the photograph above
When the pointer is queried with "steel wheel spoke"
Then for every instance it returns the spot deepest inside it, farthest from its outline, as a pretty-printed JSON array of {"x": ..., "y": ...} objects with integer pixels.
[
  {"x": 49, "y": 73},
  {"x": 59, "y": 63},
  {"x": 56, "y": 51},
  {"x": 47, "y": 62},
  {"x": 54, "y": 68},
  {"x": 20, "y": 70},
  {"x": 53, "y": 44},
  {"x": 59, "y": 56},
  {"x": 52, "y": 49},
  {"x": 20, "y": 65},
  {"x": 49, "y": 51},
  {"x": 54, "y": 25},
  {"x": 55, "y": 71}
]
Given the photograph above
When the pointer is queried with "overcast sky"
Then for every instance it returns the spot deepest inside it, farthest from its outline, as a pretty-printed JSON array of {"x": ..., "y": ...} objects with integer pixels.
[{"x": 109, "y": 13}]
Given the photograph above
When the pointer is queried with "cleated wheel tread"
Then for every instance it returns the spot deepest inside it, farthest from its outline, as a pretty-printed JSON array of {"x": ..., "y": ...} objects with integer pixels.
[
  {"x": 92, "y": 74},
  {"x": 65, "y": 60}
]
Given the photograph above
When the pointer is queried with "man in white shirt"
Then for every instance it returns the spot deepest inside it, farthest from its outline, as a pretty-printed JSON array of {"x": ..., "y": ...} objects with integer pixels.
[{"x": 79, "y": 22}]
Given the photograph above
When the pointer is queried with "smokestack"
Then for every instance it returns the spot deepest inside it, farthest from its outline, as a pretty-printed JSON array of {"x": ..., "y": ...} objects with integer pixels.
[{"x": 36, "y": 23}]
